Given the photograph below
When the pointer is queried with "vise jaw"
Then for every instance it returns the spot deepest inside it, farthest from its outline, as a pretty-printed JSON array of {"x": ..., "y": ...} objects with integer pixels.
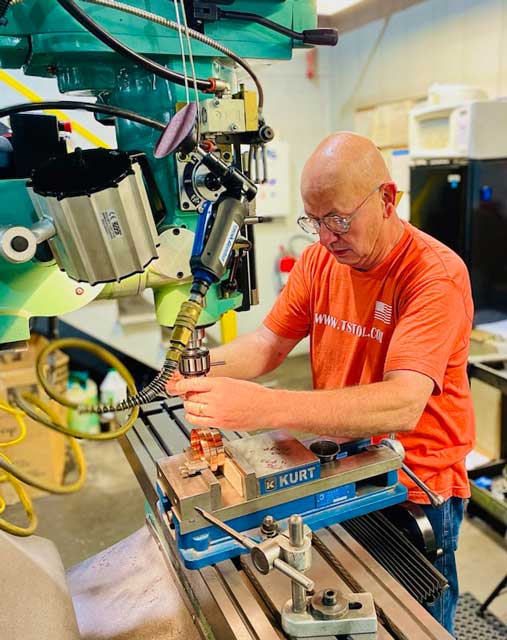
[{"x": 272, "y": 474}]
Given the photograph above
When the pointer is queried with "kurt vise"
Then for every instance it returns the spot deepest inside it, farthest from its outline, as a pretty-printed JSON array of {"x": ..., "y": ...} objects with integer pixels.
[{"x": 254, "y": 484}]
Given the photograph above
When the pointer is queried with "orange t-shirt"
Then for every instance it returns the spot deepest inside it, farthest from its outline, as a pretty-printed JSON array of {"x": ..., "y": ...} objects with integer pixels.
[{"x": 413, "y": 311}]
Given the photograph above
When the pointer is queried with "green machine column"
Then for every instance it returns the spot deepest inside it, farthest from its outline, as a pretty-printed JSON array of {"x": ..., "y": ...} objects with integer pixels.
[{"x": 46, "y": 41}]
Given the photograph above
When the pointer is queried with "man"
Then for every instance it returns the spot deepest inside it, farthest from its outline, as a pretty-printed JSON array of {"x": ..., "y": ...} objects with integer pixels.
[{"x": 389, "y": 314}]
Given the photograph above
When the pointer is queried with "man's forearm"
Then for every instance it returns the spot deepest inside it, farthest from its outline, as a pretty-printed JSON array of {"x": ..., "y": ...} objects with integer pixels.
[
  {"x": 351, "y": 412},
  {"x": 246, "y": 357}
]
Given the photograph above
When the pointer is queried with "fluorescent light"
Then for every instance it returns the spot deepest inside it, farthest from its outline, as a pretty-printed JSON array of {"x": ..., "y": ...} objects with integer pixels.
[{"x": 329, "y": 7}]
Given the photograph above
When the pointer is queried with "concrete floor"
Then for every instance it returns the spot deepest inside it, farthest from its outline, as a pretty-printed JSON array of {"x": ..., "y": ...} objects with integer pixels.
[{"x": 111, "y": 506}]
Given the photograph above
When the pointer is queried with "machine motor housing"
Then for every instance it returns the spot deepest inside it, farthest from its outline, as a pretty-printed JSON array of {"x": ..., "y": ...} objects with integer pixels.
[{"x": 98, "y": 203}]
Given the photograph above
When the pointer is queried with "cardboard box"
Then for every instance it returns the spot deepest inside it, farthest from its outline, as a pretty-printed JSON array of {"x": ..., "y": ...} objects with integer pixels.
[
  {"x": 486, "y": 398},
  {"x": 42, "y": 452}
]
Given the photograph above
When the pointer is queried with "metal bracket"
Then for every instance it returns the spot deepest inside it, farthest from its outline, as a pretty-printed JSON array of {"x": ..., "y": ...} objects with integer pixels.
[{"x": 359, "y": 620}]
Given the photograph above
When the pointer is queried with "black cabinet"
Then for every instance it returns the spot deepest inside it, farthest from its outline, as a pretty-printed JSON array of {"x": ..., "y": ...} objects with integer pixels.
[{"x": 464, "y": 205}]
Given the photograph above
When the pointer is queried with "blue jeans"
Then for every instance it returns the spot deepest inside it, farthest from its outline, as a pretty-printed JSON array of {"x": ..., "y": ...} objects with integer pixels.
[{"x": 446, "y": 521}]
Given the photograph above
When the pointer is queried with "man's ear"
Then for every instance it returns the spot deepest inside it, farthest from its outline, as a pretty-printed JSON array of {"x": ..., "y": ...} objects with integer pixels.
[{"x": 389, "y": 191}]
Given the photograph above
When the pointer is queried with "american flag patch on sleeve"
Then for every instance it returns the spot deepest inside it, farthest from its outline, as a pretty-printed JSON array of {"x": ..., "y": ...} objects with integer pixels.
[{"x": 383, "y": 312}]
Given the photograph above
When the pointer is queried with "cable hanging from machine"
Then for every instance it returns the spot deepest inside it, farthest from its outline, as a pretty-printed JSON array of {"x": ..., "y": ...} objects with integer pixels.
[
  {"x": 191, "y": 61},
  {"x": 153, "y": 67},
  {"x": 196, "y": 35},
  {"x": 68, "y": 105}
]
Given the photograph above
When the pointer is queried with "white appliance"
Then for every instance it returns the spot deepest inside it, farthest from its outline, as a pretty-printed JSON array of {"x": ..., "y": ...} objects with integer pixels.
[{"x": 475, "y": 130}]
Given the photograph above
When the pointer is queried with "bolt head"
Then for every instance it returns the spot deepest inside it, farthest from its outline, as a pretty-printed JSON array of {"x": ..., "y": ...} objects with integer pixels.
[
  {"x": 269, "y": 527},
  {"x": 324, "y": 611}
]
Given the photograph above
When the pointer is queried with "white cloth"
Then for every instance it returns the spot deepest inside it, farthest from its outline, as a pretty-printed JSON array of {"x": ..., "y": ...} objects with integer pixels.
[
  {"x": 127, "y": 592},
  {"x": 34, "y": 599}
]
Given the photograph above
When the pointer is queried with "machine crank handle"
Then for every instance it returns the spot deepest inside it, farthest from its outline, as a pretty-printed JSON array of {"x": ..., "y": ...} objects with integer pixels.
[
  {"x": 436, "y": 499},
  {"x": 279, "y": 564}
]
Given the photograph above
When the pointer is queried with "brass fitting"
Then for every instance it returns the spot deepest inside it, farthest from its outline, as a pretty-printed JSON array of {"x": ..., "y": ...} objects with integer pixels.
[{"x": 184, "y": 325}]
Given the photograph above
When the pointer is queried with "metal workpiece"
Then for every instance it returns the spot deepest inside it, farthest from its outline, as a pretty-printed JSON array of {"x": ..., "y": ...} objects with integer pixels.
[
  {"x": 436, "y": 499},
  {"x": 206, "y": 452},
  {"x": 207, "y": 445},
  {"x": 193, "y": 468}
]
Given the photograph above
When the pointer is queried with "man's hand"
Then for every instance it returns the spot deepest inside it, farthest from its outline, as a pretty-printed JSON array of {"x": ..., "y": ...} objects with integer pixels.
[
  {"x": 226, "y": 403},
  {"x": 170, "y": 387}
]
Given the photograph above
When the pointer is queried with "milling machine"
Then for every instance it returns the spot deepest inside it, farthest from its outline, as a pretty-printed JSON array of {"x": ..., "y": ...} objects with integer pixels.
[{"x": 172, "y": 209}]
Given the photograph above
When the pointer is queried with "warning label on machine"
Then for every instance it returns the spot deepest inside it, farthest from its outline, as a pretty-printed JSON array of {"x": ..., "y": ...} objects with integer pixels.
[{"x": 111, "y": 224}]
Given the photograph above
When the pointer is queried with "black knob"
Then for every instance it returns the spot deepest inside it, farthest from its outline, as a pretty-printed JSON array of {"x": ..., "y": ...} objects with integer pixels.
[
  {"x": 19, "y": 244},
  {"x": 266, "y": 134},
  {"x": 211, "y": 182},
  {"x": 325, "y": 37}
]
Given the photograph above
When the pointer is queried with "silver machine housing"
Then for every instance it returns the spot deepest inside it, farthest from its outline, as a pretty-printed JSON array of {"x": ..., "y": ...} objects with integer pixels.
[{"x": 102, "y": 236}]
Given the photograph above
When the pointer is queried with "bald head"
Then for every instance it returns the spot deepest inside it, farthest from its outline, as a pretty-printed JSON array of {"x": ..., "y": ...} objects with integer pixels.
[
  {"x": 344, "y": 163},
  {"x": 342, "y": 179}
]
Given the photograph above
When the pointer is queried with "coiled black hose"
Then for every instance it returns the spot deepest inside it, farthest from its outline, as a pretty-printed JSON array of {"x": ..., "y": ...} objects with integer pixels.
[{"x": 4, "y": 5}]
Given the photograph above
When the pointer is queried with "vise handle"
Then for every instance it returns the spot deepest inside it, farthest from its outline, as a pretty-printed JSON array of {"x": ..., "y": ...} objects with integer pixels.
[{"x": 279, "y": 564}]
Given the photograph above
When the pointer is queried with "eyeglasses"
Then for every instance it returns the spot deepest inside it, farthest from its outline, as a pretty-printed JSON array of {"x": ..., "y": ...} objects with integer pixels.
[{"x": 334, "y": 222}]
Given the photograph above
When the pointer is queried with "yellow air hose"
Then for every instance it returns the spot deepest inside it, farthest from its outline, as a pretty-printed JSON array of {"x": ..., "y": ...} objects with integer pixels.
[
  {"x": 16, "y": 476},
  {"x": 7, "y": 526},
  {"x": 31, "y": 405},
  {"x": 12, "y": 470},
  {"x": 18, "y": 487},
  {"x": 100, "y": 352}
]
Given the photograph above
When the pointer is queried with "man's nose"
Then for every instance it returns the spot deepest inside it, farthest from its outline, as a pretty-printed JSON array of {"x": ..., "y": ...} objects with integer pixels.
[{"x": 325, "y": 236}]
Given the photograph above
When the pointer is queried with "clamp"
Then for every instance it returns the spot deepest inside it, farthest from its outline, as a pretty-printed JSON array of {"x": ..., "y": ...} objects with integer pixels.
[{"x": 307, "y": 614}]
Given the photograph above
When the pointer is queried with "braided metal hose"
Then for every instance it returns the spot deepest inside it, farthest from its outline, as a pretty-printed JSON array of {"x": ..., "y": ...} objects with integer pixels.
[
  {"x": 153, "y": 17},
  {"x": 5, "y": 4},
  {"x": 184, "y": 326},
  {"x": 155, "y": 389}
]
